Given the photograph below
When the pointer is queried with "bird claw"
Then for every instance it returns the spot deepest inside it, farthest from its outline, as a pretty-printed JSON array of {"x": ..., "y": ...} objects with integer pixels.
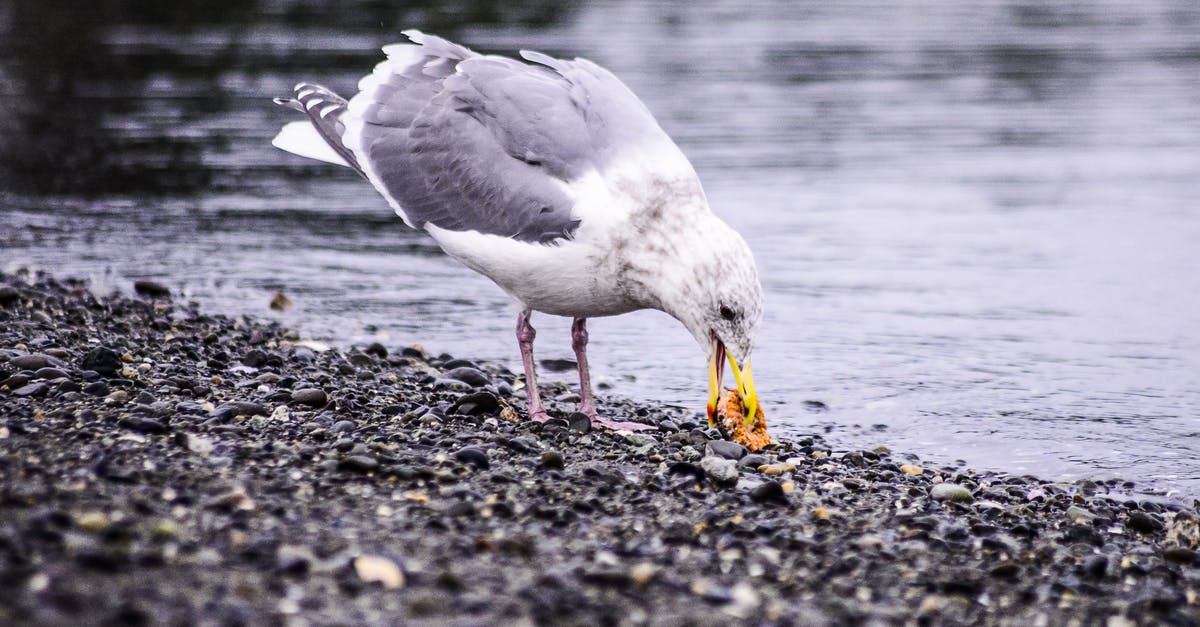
[{"x": 539, "y": 415}]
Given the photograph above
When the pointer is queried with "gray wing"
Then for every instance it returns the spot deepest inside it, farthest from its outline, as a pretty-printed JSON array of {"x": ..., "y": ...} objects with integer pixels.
[{"x": 487, "y": 143}]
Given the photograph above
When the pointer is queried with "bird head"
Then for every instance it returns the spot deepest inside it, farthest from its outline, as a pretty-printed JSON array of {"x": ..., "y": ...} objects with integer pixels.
[{"x": 715, "y": 293}]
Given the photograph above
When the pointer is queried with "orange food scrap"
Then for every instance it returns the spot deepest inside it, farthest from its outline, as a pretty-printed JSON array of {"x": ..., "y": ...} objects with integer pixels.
[{"x": 732, "y": 422}]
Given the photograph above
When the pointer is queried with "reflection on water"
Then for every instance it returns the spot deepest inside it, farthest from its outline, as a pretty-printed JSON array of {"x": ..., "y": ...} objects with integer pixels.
[{"x": 975, "y": 221}]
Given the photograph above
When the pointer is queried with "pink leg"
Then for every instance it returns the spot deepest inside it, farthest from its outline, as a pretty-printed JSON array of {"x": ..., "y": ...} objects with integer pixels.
[
  {"x": 525, "y": 335},
  {"x": 587, "y": 404}
]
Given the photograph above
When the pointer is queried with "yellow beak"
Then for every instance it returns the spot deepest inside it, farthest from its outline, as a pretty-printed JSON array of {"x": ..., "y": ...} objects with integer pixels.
[{"x": 745, "y": 383}]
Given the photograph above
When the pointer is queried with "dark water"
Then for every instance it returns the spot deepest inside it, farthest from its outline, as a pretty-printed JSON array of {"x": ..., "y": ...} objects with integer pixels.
[{"x": 977, "y": 223}]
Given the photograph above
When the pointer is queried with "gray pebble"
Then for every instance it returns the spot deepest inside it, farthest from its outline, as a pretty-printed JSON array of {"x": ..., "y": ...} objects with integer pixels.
[
  {"x": 470, "y": 376},
  {"x": 311, "y": 397},
  {"x": 473, "y": 456},
  {"x": 32, "y": 389},
  {"x": 720, "y": 470},
  {"x": 726, "y": 449},
  {"x": 951, "y": 492}
]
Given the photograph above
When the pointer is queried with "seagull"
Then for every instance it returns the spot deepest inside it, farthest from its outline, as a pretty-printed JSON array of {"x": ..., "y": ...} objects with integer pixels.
[{"x": 552, "y": 179}]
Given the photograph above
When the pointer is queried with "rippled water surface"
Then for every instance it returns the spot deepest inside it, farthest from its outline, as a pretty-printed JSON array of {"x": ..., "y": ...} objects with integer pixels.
[{"x": 977, "y": 223}]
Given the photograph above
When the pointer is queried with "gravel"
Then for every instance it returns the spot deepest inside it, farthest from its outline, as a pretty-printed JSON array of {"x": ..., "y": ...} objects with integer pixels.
[{"x": 173, "y": 482}]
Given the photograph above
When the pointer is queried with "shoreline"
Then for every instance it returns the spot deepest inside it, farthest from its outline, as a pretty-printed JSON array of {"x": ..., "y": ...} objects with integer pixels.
[{"x": 158, "y": 464}]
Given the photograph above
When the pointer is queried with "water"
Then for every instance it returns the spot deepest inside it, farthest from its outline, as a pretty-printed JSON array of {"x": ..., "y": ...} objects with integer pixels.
[{"x": 976, "y": 222}]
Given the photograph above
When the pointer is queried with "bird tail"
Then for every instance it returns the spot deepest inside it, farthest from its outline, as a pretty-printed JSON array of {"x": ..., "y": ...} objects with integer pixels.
[{"x": 320, "y": 137}]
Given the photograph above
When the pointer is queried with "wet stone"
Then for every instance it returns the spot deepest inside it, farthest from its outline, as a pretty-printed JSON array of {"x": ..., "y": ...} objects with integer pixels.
[
  {"x": 103, "y": 360},
  {"x": 32, "y": 389},
  {"x": 470, "y": 376},
  {"x": 50, "y": 372},
  {"x": 726, "y": 449},
  {"x": 310, "y": 396},
  {"x": 950, "y": 492},
  {"x": 35, "y": 361},
  {"x": 579, "y": 423},
  {"x": 474, "y": 457},
  {"x": 358, "y": 463},
  {"x": 142, "y": 424},
  {"x": 552, "y": 459},
  {"x": 768, "y": 492},
  {"x": 477, "y": 404},
  {"x": 720, "y": 470}
]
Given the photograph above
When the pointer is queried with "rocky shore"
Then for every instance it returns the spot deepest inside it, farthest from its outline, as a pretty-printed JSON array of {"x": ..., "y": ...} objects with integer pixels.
[{"x": 159, "y": 465}]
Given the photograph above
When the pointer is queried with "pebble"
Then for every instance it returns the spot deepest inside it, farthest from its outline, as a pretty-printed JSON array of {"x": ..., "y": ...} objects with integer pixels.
[
  {"x": 49, "y": 372},
  {"x": 552, "y": 459},
  {"x": 481, "y": 403},
  {"x": 1180, "y": 555},
  {"x": 32, "y": 389},
  {"x": 726, "y": 449},
  {"x": 151, "y": 289},
  {"x": 470, "y": 376},
  {"x": 103, "y": 360},
  {"x": 753, "y": 460},
  {"x": 951, "y": 492},
  {"x": 777, "y": 468},
  {"x": 35, "y": 361},
  {"x": 1143, "y": 523},
  {"x": 473, "y": 456},
  {"x": 720, "y": 470},
  {"x": 379, "y": 569},
  {"x": 359, "y": 463},
  {"x": 579, "y": 423},
  {"x": 909, "y": 469},
  {"x": 768, "y": 492},
  {"x": 142, "y": 424},
  {"x": 310, "y": 396}
]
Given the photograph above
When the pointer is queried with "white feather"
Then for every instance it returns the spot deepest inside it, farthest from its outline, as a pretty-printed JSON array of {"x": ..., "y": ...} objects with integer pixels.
[{"x": 300, "y": 138}]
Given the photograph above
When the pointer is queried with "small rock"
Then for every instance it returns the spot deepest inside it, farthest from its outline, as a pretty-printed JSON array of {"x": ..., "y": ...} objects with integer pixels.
[
  {"x": 753, "y": 460},
  {"x": 726, "y": 449},
  {"x": 150, "y": 289},
  {"x": 720, "y": 470},
  {"x": 777, "y": 468},
  {"x": 96, "y": 388},
  {"x": 552, "y": 459},
  {"x": 142, "y": 424},
  {"x": 1143, "y": 523},
  {"x": 379, "y": 569},
  {"x": 1095, "y": 566},
  {"x": 951, "y": 492},
  {"x": 473, "y": 456},
  {"x": 32, "y": 389},
  {"x": 310, "y": 396},
  {"x": 1079, "y": 515},
  {"x": 481, "y": 403},
  {"x": 1180, "y": 555},
  {"x": 909, "y": 469},
  {"x": 49, "y": 372},
  {"x": 35, "y": 361},
  {"x": 579, "y": 422},
  {"x": 103, "y": 360},
  {"x": 92, "y": 521},
  {"x": 451, "y": 384},
  {"x": 359, "y": 463},
  {"x": 470, "y": 376},
  {"x": 343, "y": 426},
  {"x": 769, "y": 492}
]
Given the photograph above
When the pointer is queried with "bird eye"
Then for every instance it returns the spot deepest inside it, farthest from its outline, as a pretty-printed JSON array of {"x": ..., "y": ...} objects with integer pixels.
[{"x": 727, "y": 313}]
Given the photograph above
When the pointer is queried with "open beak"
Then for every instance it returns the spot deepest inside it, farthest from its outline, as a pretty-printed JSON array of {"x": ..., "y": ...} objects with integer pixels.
[{"x": 743, "y": 377}]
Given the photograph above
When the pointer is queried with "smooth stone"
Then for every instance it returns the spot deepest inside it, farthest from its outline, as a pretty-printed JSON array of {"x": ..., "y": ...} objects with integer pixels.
[
  {"x": 753, "y": 460},
  {"x": 951, "y": 492},
  {"x": 720, "y": 470},
  {"x": 552, "y": 459},
  {"x": 579, "y": 423},
  {"x": 142, "y": 424},
  {"x": 470, "y": 376},
  {"x": 36, "y": 361},
  {"x": 103, "y": 360},
  {"x": 358, "y": 463},
  {"x": 16, "y": 381},
  {"x": 32, "y": 389},
  {"x": 49, "y": 372},
  {"x": 1143, "y": 523},
  {"x": 1180, "y": 555},
  {"x": 310, "y": 396},
  {"x": 343, "y": 426},
  {"x": 451, "y": 384},
  {"x": 151, "y": 289},
  {"x": 768, "y": 492},
  {"x": 476, "y": 404},
  {"x": 726, "y": 449},
  {"x": 473, "y": 456}
]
